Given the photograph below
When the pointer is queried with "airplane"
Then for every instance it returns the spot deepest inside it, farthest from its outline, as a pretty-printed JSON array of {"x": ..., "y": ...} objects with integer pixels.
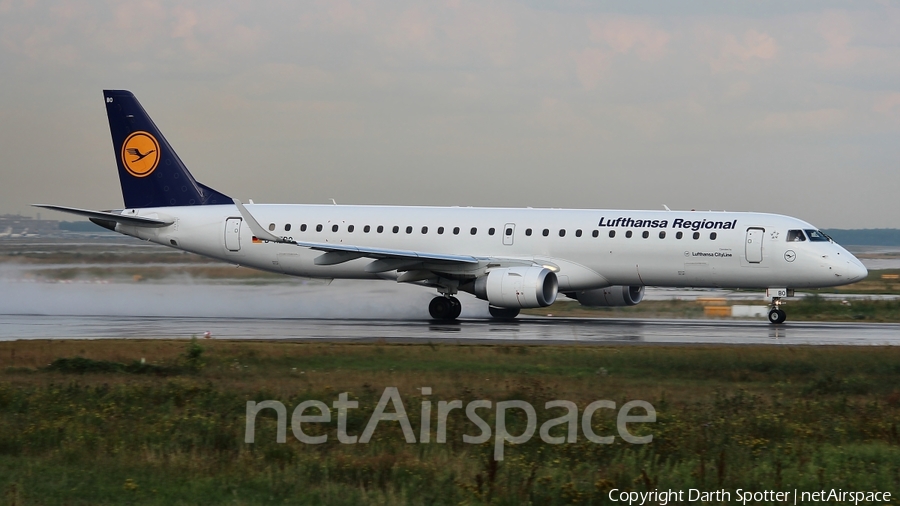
[
  {"x": 24, "y": 233},
  {"x": 511, "y": 258},
  {"x": 7, "y": 232}
]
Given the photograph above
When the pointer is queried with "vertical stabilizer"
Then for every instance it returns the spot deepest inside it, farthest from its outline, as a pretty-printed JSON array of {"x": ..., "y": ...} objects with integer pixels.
[{"x": 150, "y": 171}]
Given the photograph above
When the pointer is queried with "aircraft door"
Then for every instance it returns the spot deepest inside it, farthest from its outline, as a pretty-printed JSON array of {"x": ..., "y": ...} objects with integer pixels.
[
  {"x": 233, "y": 234},
  {"x": 753, "y": 249},
  {"x": 509, "y": 232}
]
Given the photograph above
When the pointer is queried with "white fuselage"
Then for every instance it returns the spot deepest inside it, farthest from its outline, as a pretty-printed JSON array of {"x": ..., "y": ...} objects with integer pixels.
[{"x": 665, "y": 248}]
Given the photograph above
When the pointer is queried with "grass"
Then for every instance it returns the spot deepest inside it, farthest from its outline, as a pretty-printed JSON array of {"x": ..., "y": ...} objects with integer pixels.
[
  {"x": 206, "y": 272},
  {"x": 732, "y": 417}
]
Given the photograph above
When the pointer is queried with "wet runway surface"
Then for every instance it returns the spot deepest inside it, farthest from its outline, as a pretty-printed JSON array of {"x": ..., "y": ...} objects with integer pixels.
[
  {"x": 180, "y": 305},
  {"x": 525, "y": 330}
]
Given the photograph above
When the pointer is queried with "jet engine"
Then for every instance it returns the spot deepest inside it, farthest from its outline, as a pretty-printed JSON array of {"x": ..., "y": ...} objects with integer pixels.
[
  {"x": 610, "y": 296},
  {"x": 518, "y": 287}
]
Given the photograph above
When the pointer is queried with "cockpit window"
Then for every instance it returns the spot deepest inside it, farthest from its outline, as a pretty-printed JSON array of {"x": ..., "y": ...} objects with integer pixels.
[
  {"x": 817, "y": 236},
  {"x": 795, "y": 236}
]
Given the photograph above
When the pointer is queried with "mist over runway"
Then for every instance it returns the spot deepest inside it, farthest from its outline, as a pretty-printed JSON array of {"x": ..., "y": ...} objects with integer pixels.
[{"x": 180, "y": 305}]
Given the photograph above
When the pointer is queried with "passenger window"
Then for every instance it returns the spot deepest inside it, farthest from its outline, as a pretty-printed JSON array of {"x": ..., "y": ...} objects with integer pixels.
[
  {"x": 696, "y": 235},
  {"x": 713, "y": 236},
  {"x": 679, "y": 235},
  {"x": 508, "y": 231},
  {"x": 628, "y": 234},
  {"x": 612, "y": 233},
  {"x": 546, "y": 232},
  {"x": 440, "y": 230},
  {"x": 528, "y": 232},
  {"x": 473, "y": 231},
  {"x": 455, "y": 230},
  {"x": 287, "y": 228},
  {"x": 491, "y": 231},
  {"x": 578, "y": 233},
  {"x": 350, "y": 228},
  {"x": 595, "y": 233},
  {"x": 408, "y": 230},
  {"x": 646, "y": 234},
  {"x": 303, "y": 227},
  {"x": 334, "y": 228},
  {"x": 795, "y": 236},
  {"x": 395, "y": 229},
  {"x": 562, "y": 232},
  {"x": 662, "y": 234},
  {"x": 319, "y": 227},
  {"x": 271, "y": 227},
  {"x": 380, "y": 229},
  {"x": 366, "y": 229},
  {"x": 424, "y": 230}
]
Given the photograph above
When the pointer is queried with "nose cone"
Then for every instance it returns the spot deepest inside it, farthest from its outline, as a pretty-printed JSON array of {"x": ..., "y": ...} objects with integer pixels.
[
  {"x": 856, "y": 271},
  {"x": 848, "y": 267}
]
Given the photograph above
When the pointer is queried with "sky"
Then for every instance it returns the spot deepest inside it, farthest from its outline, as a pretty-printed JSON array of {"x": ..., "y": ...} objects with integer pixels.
[{"x": 770, "y": 106}]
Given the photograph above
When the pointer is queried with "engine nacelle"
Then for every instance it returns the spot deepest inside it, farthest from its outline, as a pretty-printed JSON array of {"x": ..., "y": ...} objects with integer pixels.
[
  {"x": 611, "y": 296},
  {"x": 518, "y": 287}
]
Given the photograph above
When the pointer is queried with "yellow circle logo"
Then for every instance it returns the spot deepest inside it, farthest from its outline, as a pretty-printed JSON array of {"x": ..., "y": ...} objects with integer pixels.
[{"x": 140, "y": 154}]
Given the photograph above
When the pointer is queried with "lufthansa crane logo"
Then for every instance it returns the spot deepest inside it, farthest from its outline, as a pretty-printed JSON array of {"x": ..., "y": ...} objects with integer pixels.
[{"x": 140, "y": 154}]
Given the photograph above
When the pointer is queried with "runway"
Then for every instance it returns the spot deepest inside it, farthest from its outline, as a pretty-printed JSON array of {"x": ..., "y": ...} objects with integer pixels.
[
  {"x": 181, "y": 305},
  {"x": 525, "y": 330}
]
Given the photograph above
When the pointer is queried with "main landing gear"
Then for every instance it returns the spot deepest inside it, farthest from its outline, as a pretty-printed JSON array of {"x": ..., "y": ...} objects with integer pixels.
[
  {"x": 445, "y": 308},
  {"x": 776, "y": 314}
]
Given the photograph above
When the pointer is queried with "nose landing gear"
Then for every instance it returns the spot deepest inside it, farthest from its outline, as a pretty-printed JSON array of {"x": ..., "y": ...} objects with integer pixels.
[{"x": 776, "y": 314}]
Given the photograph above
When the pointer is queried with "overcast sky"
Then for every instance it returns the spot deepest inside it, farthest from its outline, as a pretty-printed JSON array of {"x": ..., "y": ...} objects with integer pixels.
[{"x": 785, "y": 107}]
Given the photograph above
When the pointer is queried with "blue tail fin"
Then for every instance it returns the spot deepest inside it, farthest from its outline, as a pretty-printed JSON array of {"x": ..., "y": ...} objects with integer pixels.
[{"x": 151, "y": 173}]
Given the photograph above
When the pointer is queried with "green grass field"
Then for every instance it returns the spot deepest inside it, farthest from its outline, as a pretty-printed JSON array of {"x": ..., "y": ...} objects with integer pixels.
[{"x": 110, "y": 430}]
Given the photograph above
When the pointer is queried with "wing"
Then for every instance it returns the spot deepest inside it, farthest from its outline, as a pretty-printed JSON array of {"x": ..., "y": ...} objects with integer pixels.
[
  {"x": 419, "y": 267},
  {"x": 386, "y": 259},
  {"x": 133, "y": 151}
]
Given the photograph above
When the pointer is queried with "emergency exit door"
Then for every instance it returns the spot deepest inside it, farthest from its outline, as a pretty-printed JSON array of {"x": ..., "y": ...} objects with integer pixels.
[
  {"x": 753, "y": 249},
  {"x": 509, "y": 231},
  {"x": 233, "y": 234}
]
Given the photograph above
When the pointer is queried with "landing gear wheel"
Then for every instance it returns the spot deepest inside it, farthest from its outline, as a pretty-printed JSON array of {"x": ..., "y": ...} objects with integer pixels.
[
  {"x": 503, "y": 313},
  {"x": 457, "y": 308},
  {"x": 777, "y": 316},
  {"x": 444, "y": 308}
]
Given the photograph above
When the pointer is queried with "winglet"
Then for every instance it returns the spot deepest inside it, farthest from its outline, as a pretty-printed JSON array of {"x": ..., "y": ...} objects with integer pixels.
[{"x": 254, "y": 225}]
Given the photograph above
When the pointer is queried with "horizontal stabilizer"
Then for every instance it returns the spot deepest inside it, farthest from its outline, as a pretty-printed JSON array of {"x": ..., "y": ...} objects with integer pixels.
[{"x": 137, "y": 221}]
